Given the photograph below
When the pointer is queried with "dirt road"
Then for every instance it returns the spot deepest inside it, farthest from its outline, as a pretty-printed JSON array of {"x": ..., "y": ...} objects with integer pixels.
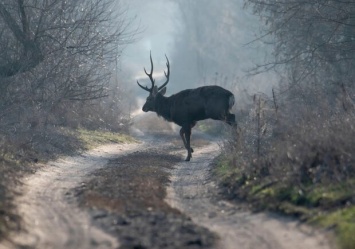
[
  {"x": 53, "y": 218},
  {"x": 194, "y": 193}
]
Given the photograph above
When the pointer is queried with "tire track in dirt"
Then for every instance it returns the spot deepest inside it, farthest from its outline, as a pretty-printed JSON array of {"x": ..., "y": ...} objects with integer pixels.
[
  {"x": 51, "y": 217},
  {"x": 193, "y": 193}
]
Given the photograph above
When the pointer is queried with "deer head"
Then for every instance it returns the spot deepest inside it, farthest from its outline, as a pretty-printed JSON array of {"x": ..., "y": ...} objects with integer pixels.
[{"x": 154, "y": 91}]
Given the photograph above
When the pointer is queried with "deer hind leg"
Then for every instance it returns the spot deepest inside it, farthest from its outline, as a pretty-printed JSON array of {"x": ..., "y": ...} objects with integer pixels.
[{"x": 230, "y": 119}]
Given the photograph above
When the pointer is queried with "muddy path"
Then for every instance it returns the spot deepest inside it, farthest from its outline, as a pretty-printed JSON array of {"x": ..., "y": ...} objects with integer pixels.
[{"x": 144, "y": 196}]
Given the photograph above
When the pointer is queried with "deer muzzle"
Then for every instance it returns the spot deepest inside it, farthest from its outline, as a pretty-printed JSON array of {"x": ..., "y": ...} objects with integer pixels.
[{"x": 145, "y": 108}]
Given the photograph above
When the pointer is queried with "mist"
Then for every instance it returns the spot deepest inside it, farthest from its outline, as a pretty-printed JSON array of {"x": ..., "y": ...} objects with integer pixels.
[
  {"x": 280, "y": 102},
  {"x": 207, "y": 43}
]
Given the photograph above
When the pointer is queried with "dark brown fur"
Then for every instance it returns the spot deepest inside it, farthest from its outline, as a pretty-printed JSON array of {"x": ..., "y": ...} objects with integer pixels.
[{"x": 187, "y": 107}]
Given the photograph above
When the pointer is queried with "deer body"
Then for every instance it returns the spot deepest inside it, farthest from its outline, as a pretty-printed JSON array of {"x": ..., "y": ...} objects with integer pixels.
[
  {"x": 187, "y": 107},
  {"x": 192, "y": 105}
]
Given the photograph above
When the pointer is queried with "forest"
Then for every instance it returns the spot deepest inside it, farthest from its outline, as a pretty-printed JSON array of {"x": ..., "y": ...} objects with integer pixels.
[{"x": 289, "y": 64}]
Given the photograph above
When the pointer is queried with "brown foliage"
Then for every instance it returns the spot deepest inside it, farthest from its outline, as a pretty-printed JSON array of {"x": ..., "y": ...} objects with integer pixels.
[{"x": 298, "y": 144}]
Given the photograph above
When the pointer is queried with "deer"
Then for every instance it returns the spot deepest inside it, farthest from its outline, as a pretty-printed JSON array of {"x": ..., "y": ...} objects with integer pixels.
[{"x": 189, "y": 106}]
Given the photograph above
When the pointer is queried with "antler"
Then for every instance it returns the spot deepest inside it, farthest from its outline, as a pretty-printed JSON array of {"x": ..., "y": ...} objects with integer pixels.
[
  {"x": 167, "y": 75},
  {"x": 150, "y": 75}
]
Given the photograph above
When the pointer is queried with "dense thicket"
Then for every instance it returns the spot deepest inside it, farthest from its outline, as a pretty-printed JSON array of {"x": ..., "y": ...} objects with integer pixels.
[
  {"x": 314, "y": 43},
  {"x": 55, "y": 54},
  {"x": 300, "y": 128},
  {"x": 57, "y": 67}
]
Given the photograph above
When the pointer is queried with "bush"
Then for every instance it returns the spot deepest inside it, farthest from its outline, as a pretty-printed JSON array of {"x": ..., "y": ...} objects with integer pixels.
[{"x": 295, "y": 156}]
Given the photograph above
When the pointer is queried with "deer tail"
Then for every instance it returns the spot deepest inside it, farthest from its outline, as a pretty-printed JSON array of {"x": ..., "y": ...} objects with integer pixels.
[{"x": 231, "y": 101}]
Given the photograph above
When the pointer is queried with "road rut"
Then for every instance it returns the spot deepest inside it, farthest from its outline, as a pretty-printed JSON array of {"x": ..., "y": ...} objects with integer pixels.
[
  {"x": 193, "y": 193},
  {"x": 51, "y": 217}
]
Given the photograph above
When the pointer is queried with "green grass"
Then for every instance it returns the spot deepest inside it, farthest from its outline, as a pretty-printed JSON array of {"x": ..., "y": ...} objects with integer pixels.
[
  {"x": 224, "y": 170},
  {"x": 343, "y": 221},
  {"x": 91, "y": 139},
  {"x": 324, "y": 205}
]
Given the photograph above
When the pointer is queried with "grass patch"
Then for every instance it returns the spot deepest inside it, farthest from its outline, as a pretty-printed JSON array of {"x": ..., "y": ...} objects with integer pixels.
[
  {"x": 21, "y": 152},
  {"x": 224, "y": 171},
  {"x": 91, "y": 139},
  {"x": 321, "y": 204},
  {"x": 212, "y": 128},
  {"x": 343, "y": 221}
]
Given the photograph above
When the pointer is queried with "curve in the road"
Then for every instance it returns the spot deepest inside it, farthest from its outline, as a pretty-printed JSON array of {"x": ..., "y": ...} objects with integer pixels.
[
  {"x": 50, "y": 218},
  {"x": 192, "y": 192}
]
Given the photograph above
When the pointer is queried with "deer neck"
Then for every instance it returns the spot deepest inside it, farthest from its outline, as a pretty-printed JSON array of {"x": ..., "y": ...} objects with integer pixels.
[{"x": 162, "y": 107}]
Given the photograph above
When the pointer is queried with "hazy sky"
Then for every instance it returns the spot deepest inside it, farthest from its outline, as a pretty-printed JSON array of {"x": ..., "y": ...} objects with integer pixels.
[{"x": 158, "y": 21}]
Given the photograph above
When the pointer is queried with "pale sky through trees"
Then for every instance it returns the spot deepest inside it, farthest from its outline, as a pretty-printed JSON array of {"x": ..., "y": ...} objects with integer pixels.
[
  {"x": 158, "y": 21},
  {"x": 222, "y": 30}
]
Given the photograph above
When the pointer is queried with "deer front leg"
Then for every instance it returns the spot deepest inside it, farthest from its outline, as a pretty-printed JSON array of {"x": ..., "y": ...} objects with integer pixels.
[
  {"x": 185, "y": 134},
  {"x": 182, "y": 135}
]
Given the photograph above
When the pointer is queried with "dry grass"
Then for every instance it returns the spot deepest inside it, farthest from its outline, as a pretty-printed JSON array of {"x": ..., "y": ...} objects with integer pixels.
[{"x": 298, "y": 159}]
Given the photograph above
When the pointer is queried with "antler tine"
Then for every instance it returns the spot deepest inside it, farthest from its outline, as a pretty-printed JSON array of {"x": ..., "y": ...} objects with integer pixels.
[
  {"x": 150, "y": 75},
  {"x": 167, "y": 74},
  {"x": 144, "y": 87}
]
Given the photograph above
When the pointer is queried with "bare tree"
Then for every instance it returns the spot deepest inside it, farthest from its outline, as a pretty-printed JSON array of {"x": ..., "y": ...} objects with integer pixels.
[
  {"x": 20, "y": 51},
  {"x": 55, "y": 51},
  {"x": 313, "y": 40}
]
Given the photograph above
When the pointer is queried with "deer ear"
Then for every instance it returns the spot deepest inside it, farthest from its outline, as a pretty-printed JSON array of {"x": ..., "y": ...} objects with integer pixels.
[{"x": 163, "y": 91}]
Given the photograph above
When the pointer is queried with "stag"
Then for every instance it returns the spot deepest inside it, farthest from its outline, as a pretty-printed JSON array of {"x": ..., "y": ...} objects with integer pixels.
[{"x": 187, "y": 107}]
